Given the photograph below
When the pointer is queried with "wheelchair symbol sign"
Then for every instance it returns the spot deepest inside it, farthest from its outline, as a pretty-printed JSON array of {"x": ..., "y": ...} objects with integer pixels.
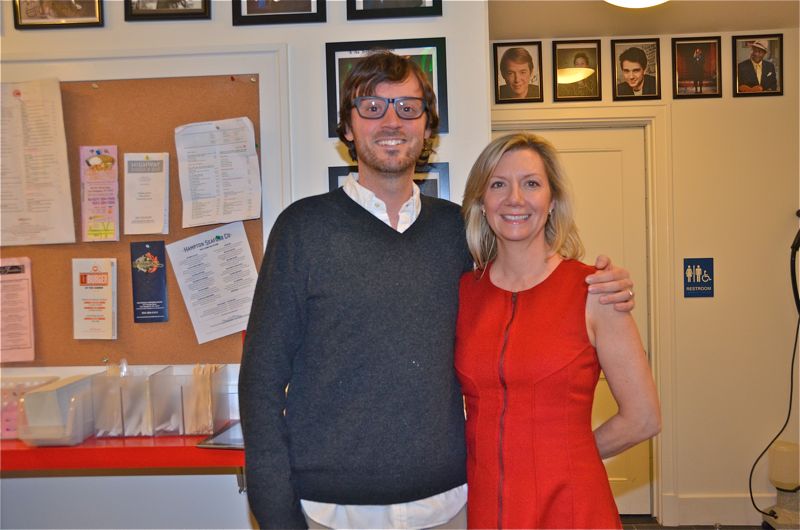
[{"x": 698, "y": 277}]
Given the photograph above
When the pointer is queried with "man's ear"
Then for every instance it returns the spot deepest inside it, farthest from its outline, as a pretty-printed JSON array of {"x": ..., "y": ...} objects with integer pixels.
[
  {"x": 427, "y": 132},
  {"x": 348, "y": 133}
]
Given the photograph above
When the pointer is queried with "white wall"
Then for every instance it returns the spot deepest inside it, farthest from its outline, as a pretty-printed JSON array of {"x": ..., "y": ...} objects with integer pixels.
[
  {"x": 724, "y": 185},
  {"x": 463, "y": 24}
]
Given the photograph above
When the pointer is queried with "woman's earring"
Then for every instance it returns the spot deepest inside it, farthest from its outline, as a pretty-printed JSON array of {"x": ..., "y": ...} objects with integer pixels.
[{"x": 483, "y": 211}]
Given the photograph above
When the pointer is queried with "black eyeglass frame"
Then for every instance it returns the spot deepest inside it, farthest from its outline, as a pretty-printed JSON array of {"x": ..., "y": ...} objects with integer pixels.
[{"x": 394, "y": 102}]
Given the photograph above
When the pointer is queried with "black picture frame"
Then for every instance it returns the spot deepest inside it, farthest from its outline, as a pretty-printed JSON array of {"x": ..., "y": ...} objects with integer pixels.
[
  {"x": 525, "y": 51},
  {"x": 570, "y": 59},
  {"x": 696, "y": 67},
  {"x": 771, "y": 84},
  {"x": 62, "y": 15},
  {"x": 141, "y": 10},
  {"x": 255, "y": 12},
  {"x": 371, "y": 9},
  {"x": 433, "y": 178},
  {"x": 340, "y": 56},
  {"x": 651, "y": 83}
]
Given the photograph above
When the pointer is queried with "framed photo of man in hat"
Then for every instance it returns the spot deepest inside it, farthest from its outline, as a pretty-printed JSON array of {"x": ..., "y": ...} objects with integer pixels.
[{"x": 758, "y": 65}]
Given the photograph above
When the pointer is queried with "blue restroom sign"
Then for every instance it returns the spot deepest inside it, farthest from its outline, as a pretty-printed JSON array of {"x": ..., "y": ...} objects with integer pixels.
[{"x": 698, "y": 277}]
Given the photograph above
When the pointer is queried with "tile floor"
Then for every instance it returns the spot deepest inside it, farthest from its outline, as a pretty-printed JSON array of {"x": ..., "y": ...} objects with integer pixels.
[{"x": 641, "y": 522}]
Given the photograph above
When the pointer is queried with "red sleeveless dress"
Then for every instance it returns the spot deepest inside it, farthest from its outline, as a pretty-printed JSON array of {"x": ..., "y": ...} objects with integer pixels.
[{"x": 528, "y": 373}]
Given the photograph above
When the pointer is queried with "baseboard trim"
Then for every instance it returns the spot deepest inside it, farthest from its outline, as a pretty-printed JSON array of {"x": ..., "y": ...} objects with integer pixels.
[{"x": 711, "y": 509}]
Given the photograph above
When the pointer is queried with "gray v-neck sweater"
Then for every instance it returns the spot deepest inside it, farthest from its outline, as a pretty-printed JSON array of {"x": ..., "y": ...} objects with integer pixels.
[{"x": 359, "y": 321}]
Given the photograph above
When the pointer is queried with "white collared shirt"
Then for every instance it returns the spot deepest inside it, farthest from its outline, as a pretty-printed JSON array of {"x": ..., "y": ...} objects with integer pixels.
[
  {"x": 367, "y": 200},
  {"x": 423, "y": 513}
]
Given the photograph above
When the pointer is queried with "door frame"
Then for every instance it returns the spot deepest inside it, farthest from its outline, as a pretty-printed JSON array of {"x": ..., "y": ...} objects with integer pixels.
[{"x": 661, "y": 275}]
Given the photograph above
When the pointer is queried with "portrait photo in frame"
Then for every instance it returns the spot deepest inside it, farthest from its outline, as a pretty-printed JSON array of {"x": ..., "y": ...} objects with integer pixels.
[
  {"x": 636, "y": 67},
  {"x": 696, "y": 67},
  {"x": 429, "y": 54},
  {"x": 517, "y": 72},
  {"x": 433, "y": 178},
  {"x": 368, "y": 9},
  {"x": 758, "y": 65},
  {"x": 254, "y": 12},
  {"x": 36, "y": 14},
  {"x": 576, "y": 71},
  {"x": 136, "y": 10}
]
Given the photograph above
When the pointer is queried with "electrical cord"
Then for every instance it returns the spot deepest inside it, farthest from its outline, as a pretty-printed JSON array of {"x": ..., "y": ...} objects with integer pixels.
[{"x": 795, "y": 246}]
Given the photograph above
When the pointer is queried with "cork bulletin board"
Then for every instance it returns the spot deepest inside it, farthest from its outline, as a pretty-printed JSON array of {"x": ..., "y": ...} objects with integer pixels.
[{"x": 138, "y": 116}]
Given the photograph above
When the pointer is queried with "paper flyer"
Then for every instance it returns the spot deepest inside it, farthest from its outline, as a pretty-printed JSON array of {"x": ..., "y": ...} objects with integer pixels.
[
  {"x": 16, "y": 310},
  {"x": 94, "y": 298},
  {"x": 149, "y": 282},
  {"x": 146, "y": 193},
  {"x": 218, "y": 171},
  {"x": 217, "y": 277},
  {"x": 36, "y": 203},
  {"x": 99, "y": 193}
]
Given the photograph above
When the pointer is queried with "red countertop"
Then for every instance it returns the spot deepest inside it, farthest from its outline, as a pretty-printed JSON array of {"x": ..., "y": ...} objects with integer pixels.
[{"x": 144, "y": 452}]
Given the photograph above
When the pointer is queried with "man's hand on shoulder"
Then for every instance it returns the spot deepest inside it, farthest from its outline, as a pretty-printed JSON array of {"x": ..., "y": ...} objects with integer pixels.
[{"x": 613, "y": 284}]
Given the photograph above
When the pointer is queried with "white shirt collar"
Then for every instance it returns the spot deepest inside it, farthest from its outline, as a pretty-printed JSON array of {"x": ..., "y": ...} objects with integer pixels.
[{"x": 367, "y": 200}]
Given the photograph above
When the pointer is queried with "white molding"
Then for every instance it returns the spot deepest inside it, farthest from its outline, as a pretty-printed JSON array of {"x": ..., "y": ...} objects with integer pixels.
[
  {"x": 655, "y": 120},
  {"x": 718, "y": 509},
  {"x": 269, "y": 61}
]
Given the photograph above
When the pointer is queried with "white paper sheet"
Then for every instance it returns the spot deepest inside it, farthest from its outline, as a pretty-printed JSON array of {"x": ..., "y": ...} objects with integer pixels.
[
  {"x": 146, "y": 193},
  {"x": 217, "y": 277},
  {"x": 218, "y": 171},
  {"x": 94, "y": 298},
  {"x": 16, "y": 310},
  {"x": 35, "y": 203}
]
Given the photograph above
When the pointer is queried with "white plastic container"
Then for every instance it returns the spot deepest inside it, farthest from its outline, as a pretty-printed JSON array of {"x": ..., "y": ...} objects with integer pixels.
[
  {"x": 121, "y": 404},
  {"x": 13, "y": 388},
  {"x": 189, "y": 399},
  {"x": 58, "y": 413}
]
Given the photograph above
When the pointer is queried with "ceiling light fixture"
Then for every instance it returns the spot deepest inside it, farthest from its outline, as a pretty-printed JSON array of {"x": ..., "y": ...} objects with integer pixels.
[{"x": 636, "y": 4}]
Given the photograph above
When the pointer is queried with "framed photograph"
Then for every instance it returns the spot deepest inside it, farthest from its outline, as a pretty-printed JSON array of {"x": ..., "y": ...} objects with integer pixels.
[
  {"x": 340, "y": 57},
  {"x": 250, "y": 12},
  {"x": 696, "y": 67},
  {"x": 136, "y": 10},
  {"x": 48, "y": 14},
  {"x": 636, "y": 69},
  {"x": 758, "y": 65},
  {"x": 576, "y": 70},
  {"x": 364, "y": 9},
  {"x": 517, "y": 72},
  {"x": 433, "y": 179}
]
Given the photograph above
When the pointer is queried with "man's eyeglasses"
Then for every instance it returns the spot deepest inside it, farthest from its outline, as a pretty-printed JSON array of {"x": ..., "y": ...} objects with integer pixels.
[{"x": 375, "y": 107}]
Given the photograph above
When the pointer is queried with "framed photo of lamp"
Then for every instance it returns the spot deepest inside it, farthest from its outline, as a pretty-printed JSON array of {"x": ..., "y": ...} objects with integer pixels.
[
  {"x": 137, "y": 10},
  {"x": 636, "y": 66},
  {"x": 39, "y": 14},
  {"x": 368, "y": 9},
  {"x": 254, "y": 12},
  {"x": 517, "y": 72},
  {"x": 758, "y": 65},
  {"x": 576, "y": 71},
  {"x": 433, "y": 178},
  {"x": 696, "y": 67},
  {"x": 428, "y": 53}
]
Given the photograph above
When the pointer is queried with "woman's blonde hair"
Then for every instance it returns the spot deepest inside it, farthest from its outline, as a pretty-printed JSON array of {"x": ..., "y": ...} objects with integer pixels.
[{"x": 561, "y": 234}]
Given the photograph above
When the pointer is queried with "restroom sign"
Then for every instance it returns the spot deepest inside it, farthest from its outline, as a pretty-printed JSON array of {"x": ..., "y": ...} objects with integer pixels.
[{"x": 698, "y": 277}]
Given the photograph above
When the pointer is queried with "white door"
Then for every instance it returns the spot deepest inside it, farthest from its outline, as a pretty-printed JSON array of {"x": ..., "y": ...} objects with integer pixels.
[{"x": 607, "y": 171}]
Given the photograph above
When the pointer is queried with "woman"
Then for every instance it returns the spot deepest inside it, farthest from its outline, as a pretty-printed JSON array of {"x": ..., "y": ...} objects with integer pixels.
[
  {"x": 530, "y": 345},
  {"x": 697, "y": 73}
]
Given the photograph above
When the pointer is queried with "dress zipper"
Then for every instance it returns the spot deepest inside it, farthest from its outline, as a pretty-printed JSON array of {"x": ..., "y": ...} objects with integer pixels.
[{"x": 501, "y": 371}]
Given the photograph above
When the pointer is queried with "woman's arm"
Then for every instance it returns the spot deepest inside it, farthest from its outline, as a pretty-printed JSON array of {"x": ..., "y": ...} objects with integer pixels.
[{"x": 627, "y": 371}]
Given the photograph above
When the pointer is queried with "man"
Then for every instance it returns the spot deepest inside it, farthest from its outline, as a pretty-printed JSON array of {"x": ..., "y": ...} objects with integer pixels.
[
  {"x": 351, "y": 411},
  {"x": 516, "y": 67},
  {"x": 755, "y": 74},
  {"x": 633, "y": 63}
]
